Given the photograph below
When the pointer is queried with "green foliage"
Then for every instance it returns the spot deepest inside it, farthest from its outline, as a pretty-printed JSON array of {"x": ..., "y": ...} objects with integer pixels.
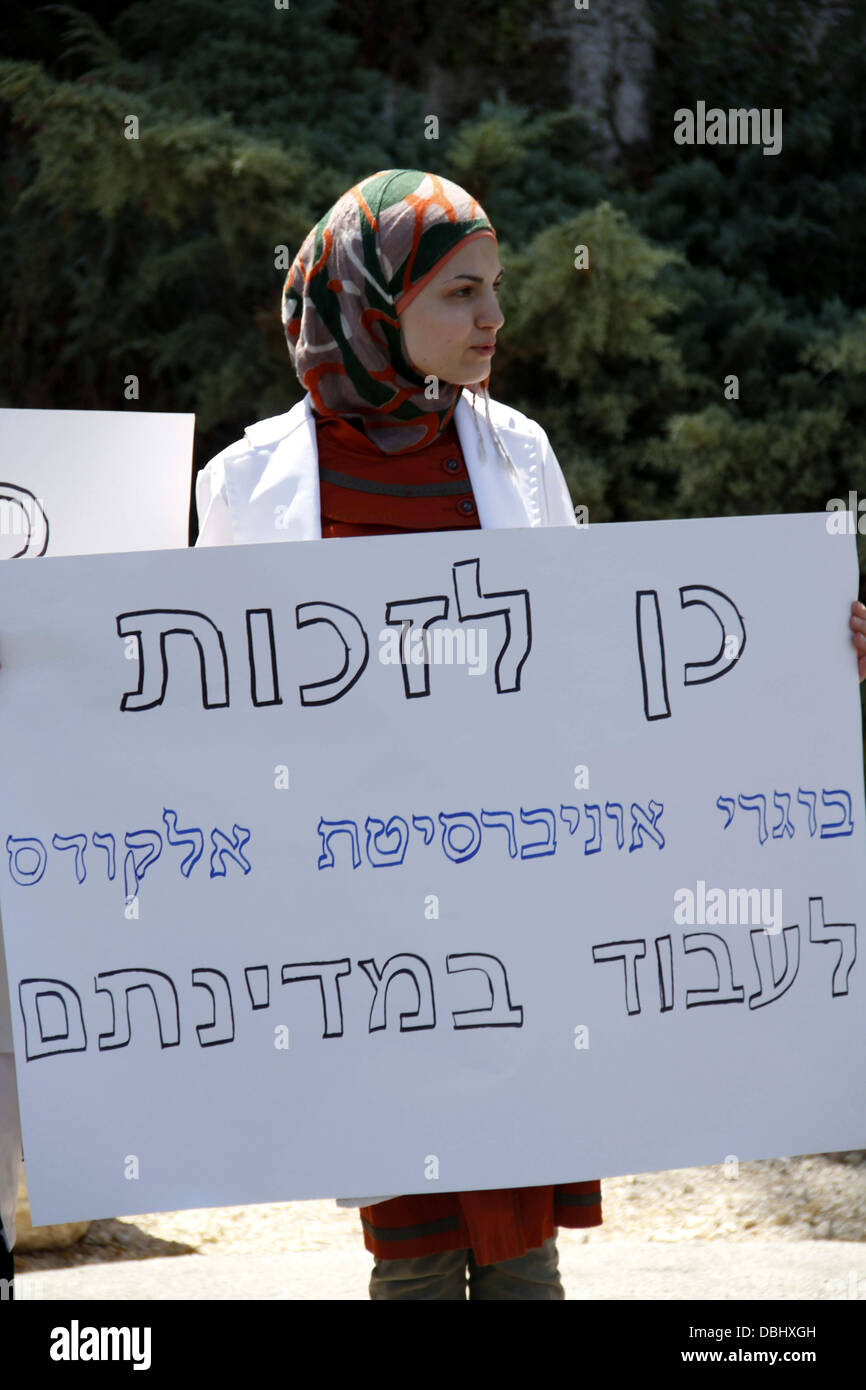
[{"x": 156, "y": 256}]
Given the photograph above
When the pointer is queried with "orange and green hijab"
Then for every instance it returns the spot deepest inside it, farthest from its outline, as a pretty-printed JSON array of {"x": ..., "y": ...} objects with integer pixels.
[{"x": 362, "y": 263}]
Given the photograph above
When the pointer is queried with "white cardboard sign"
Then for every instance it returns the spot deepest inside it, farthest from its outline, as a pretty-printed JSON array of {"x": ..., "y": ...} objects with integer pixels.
[
  {"x": 287, "y": 917},
  {"x": 81, "y": 482}
]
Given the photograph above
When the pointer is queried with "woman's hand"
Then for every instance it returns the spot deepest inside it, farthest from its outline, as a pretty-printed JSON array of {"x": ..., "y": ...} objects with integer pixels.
[{"x": 858, "y": 627}]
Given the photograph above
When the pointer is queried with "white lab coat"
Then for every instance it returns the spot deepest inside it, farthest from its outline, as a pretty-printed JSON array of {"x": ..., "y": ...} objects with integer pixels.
[{"x": 266, "y": 488}]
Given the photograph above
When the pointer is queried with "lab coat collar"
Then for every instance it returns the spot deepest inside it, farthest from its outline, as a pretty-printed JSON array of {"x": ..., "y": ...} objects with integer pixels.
[{"x": 290, "y": 479}]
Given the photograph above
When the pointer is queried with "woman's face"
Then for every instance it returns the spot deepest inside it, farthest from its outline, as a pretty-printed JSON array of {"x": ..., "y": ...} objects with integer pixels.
[{"x": 456, "y": 311}]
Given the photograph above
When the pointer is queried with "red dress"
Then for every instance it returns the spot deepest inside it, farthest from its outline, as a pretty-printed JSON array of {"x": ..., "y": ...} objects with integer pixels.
[{"x": 364, "y": 492}]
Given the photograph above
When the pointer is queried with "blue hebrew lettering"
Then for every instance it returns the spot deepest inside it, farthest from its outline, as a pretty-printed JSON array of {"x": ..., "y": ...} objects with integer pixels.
[
  {"x": 78, "y": 843},
  {"x": 593, "y": 844},
  {"x": 845, "y": 825},
  {"x": 426, "y": 826},
  {"x": 25, "y": 845},
  {"x": 134, "y": 869},
  {"x": 542, "y": 815},
  {"x": 452, "y": 823},
  {"x": 643, "y": 824},
  {"x": 503, "y": 820},
  {"x": 784, "y": 825},
  {"x": 329, "y": 828},
  {"x": 385, "y": 858},
  {"x": 807, "y": 798},
  {"x": 757, "y": 802},
  {"x": 224, "y": 848},
  {"x": 193, "y": 836},
  {"x": 107, "y": 843}
]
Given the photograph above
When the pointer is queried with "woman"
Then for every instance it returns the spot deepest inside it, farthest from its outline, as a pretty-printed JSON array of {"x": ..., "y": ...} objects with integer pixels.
[{"x": 390, "y": 312}]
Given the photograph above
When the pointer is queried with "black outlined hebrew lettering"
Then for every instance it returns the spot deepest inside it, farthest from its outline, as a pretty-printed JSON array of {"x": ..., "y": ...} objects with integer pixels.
[
  {"x": 384, "y": 858},
  {"x": 356, "y": 649},
  {"x": 643, "y": 824},
  {"x": 665, "y": 963},
  {"x": 613, "y": 809},
  {"x": 541, "y": 815},
  {"x": 232, "y": 849},
  {"x": 426, "y": 826},
  {"x": 452, "y": 823},
  {"x": 730, "y": 620},
  {"x": 424, "y": 1016},
  {"x": 500, "y": 1012},
  {"x": 107, "y": 843},
  {"x": 842, "y": 934},
  {"x": 118, "y": 985},
  {"x": 724, "y": 991},
  {"x": 327, "y": 829},
  {"x": 503, "y": 820},
  {"x": 593, "y": 844},
  {"x": 76, "y": 843},
  {"x": 784, "y": 825},
  {"x": 193, "y": 836},
  {"x": 808, "y": 799},
  {"x": 264, "y": 681},
  {"x": 35, "y": 529},
  {"x": 845, "y": 825},
  {"x": 258, "y": 978},
  {"x": 328, "y": 973},
  {"x": 134, "y": 868},
  {"x": 18, "y": 845},
  {"x": 651, "y": 655},
  {"x": 772, "y": 987},
  {"x": 221, "y": 1028},
  {"x": 728, "y": 805},
  {"x": 629, "y": 952},
  {"x": 41, "y": 1037},
  {"x": 415, "y": 614},
  {"x": 571, "y": 816},
  {"x": 757, "y": 802},
  {"x": 471, "y": 603},
  {"x": 152, "y": 626}
]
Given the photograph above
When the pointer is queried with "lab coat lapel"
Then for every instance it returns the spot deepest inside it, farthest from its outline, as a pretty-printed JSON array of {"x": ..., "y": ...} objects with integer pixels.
[
  {"x": 284, "y": 503},
  {"x": 500, "y": 499}
]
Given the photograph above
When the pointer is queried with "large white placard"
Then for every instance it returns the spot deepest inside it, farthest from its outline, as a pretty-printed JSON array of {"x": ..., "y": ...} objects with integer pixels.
[{"x": 288, "y": 918}]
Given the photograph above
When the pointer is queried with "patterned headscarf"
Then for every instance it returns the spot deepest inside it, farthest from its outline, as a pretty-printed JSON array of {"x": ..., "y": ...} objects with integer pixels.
[{"x": 362, "y": 263}]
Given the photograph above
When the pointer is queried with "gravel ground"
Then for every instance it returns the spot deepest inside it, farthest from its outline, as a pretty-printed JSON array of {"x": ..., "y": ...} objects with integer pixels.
[{"x": 817, "y": 1197}]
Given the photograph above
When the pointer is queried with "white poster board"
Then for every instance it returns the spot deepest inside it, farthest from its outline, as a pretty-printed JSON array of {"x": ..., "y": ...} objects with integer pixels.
[
  {"x": 82, "y": 482},
  {"x": 76, "y": 482},
  {"x": 285, "y": 919}
]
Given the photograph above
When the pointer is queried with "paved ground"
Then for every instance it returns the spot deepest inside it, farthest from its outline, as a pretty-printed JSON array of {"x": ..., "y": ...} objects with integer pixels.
[{"x": 828, "y": 1269}]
